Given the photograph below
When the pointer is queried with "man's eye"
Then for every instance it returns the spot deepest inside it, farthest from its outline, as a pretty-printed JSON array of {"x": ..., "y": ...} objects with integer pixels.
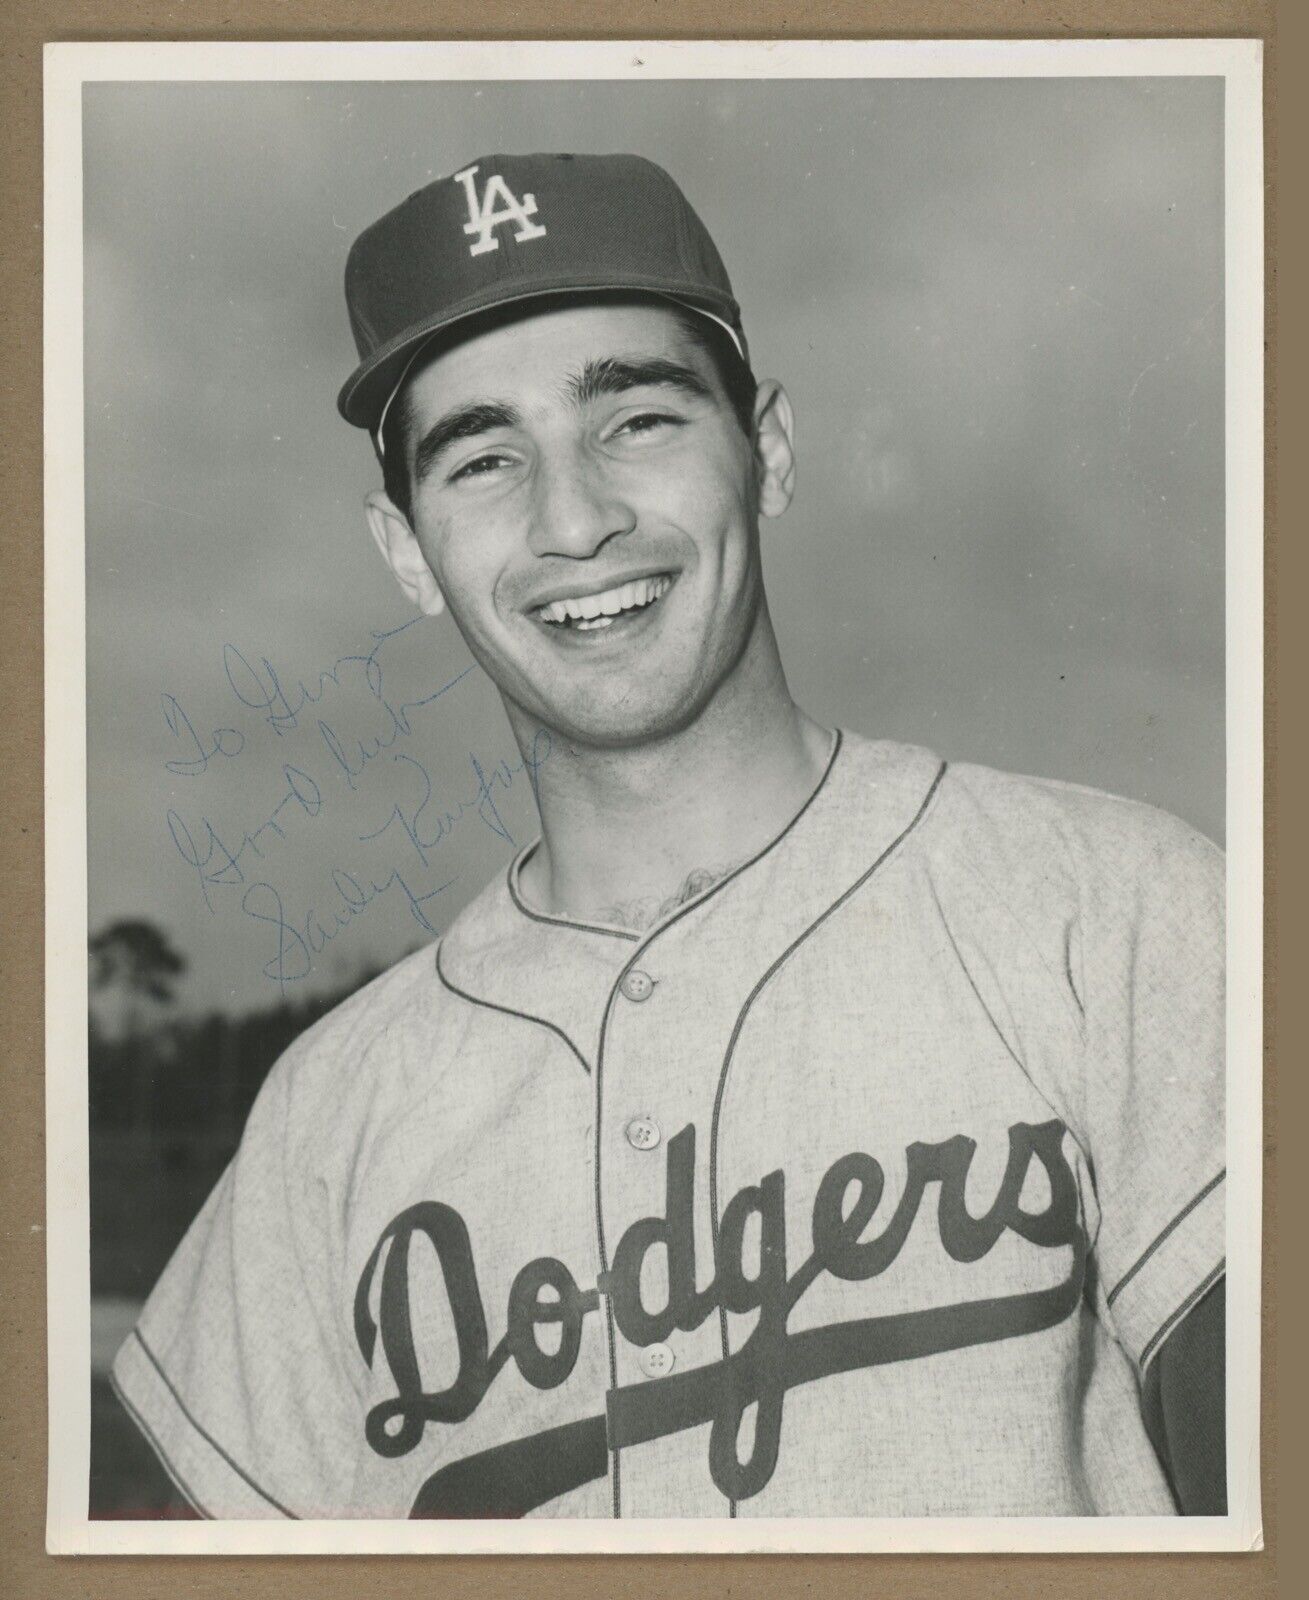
[
  {"x": 647, "y": 422},
  {"x": 478, "y": 467}
]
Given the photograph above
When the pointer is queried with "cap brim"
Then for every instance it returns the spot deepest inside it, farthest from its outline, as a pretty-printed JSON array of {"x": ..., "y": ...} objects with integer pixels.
[{"x": 367, "y": 392}]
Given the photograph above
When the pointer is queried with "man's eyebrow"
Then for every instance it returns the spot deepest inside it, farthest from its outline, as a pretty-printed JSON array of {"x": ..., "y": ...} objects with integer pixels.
[
  {"x": 608, "y": 375},
  {"x": 465, "y": 422},
  {"x": 614, "y": 375}
]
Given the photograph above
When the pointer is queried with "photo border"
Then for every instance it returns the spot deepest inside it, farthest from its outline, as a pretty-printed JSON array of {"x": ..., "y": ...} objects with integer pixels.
[{"x": 67, "y": 68}]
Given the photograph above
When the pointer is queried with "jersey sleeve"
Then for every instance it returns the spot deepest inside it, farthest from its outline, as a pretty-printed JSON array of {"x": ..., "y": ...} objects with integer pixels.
[
  {"x": 235, "y": 1372},
  {"x": 1149, "y": 970}
]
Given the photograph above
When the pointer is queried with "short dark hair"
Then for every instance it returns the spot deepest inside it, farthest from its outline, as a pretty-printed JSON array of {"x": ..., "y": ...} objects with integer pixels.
[{"x": 731, "y": 368}]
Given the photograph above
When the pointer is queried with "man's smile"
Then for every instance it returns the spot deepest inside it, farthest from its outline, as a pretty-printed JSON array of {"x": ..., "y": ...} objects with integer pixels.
[{"x": 597, "y": 610}]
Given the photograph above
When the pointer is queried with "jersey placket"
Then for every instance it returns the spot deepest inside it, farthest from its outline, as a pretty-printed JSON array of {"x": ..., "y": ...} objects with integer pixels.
[
  {"x": 654, "y": 1102},
  {"x": 665, "y": 1048}
]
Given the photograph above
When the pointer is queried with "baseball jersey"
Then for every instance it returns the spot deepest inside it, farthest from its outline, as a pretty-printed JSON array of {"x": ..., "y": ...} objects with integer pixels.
[{"x": 868, "y": 1182}]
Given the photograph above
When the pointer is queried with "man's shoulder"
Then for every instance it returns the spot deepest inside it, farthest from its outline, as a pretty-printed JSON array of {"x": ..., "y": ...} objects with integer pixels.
[
  {"x": 393, "y": 1001},
  {"x": 1018, "y": 829},
  {"x": 1038, "y": 841},
  {"x": 377, "y": 1031},
  {"x": 1072, "y": 820}
]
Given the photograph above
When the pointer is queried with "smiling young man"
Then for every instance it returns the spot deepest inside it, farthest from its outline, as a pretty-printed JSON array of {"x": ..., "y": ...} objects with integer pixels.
[
  {"x": 804, "y": 1125},
  {"x": 585, "y": 501}
]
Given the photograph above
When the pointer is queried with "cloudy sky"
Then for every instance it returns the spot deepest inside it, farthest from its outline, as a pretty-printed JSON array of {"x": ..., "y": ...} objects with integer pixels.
[{"x": 998, "y": 309}]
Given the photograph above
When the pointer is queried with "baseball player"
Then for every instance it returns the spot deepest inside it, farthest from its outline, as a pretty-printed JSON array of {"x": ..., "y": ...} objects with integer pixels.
[{"x": 804, "y": 1124}]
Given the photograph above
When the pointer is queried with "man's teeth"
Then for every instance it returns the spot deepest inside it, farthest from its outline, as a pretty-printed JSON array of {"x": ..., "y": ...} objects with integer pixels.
[{"x": 596, "y": 610}]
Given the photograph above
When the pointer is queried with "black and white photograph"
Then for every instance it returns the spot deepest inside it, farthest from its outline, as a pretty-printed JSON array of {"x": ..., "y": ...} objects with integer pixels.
[{"x": 654, "y": 843}]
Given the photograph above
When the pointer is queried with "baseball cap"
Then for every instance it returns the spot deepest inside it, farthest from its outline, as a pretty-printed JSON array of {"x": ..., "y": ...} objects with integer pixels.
[{"x": 508, "y": 228}]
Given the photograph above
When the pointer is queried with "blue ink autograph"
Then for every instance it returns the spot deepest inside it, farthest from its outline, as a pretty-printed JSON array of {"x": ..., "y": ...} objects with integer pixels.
[
  {"x": 352, "y": 761},
  {"x": 425, "y": 830},
  {"x": 225, "y": 741},
  {"x": 260, "y": 687},
  {"x": 218, "y": 860},
  {"x": 299, "y": 942},
  {"x": 214, "y": 861}
]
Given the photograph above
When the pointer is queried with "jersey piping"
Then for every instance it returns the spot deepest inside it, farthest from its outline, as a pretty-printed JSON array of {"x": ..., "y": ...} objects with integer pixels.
[
  {"x": 188, "y": 1494},
  {"x": 754, "y": 994},
  {"x": 204, "y": 1434},
  {"x": 1150, "y": 1249},
  {"x": 508, "y": 1011},
  {"x": 644, "y": 939},
  {"x": 643, "y": 945},
  {"x": 1166, "y": 1327},
  {"x": 516, "y": 895}
]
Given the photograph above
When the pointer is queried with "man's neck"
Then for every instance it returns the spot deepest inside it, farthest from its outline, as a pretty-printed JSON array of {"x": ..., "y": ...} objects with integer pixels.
[{"x": 629, "y": 834}]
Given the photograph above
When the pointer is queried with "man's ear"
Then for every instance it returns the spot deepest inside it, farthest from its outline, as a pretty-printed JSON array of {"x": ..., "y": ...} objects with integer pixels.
[
  {"x": 400, "y": 550},
  {"x": 774, "y": 447}
]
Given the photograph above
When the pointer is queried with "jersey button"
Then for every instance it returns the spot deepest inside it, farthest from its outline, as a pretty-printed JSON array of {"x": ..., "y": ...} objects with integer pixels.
[
  {"x": 643, "y": 1133},
  {"x": 637, "y": 985},
  {"x": 655, "y": 1360}
]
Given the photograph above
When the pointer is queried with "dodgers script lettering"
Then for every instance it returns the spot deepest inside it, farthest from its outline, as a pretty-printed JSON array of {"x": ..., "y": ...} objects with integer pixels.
[{"x": 769, "y": 1362}]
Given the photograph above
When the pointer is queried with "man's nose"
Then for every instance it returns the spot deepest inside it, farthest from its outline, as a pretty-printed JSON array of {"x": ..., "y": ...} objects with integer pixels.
[{"x": 577, "y": 507}]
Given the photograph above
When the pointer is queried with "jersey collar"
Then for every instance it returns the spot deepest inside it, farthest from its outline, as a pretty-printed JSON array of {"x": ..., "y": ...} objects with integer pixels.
[{"x": 506, "y": 955}]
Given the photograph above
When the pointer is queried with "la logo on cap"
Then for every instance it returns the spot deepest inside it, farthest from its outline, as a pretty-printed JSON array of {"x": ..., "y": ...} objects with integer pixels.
[{"x": 498, "y": 205}]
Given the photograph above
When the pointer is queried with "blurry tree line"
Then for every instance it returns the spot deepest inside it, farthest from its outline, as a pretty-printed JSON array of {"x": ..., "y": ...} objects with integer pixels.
[
  {"x": 169, "y": 1095},
  {"x": 158, "y": 1073}
]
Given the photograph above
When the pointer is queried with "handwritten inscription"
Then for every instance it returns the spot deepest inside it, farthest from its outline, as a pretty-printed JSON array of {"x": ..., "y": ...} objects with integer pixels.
[
  {"x": 356, "y": 760},
  {"x": 228, "y": 742}
]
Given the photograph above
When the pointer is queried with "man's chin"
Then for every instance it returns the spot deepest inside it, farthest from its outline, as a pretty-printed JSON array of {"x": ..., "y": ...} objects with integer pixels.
[{"x": 621, "y": 725}]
